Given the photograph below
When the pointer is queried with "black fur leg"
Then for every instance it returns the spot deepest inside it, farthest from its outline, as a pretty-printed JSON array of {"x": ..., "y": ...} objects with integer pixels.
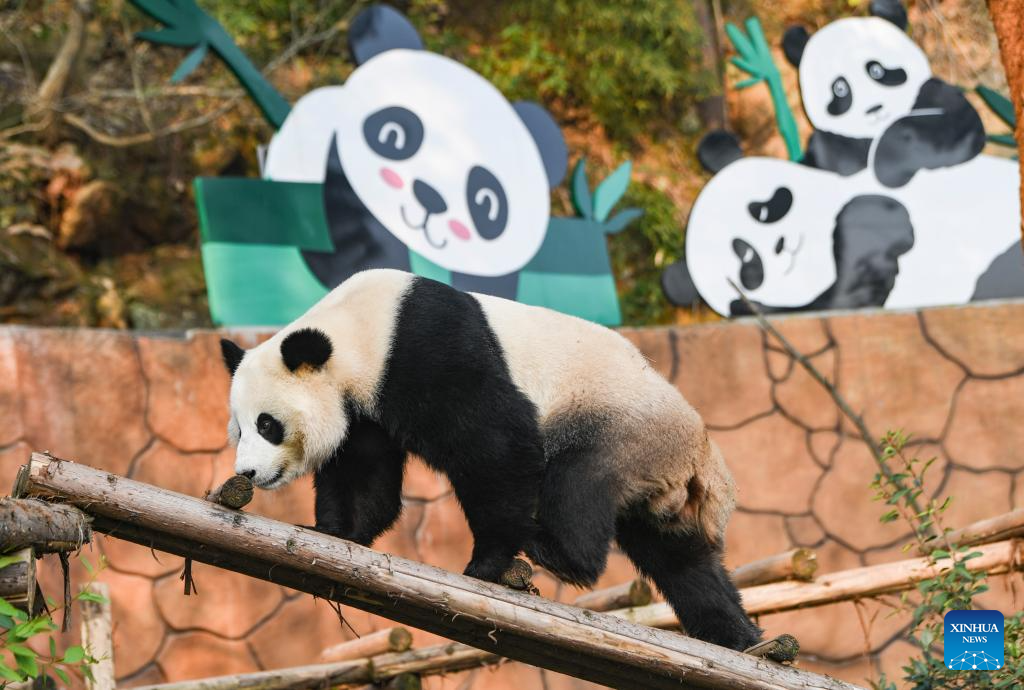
[
  {"x": 359, "y": 490},
  {"x": 689, "y": 572},
  {"x": 576, "y": 519},
  {"x": 499, "y": 503}
]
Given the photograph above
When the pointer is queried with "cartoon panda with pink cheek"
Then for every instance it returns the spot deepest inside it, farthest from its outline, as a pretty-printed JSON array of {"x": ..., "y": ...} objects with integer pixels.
[{"x": 420, "y": 153}]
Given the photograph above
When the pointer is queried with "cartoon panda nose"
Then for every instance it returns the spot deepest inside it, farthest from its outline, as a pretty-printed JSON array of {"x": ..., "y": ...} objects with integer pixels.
[
  {"x": 428, "y": 197},
  {"x": 873, "y": 109}
]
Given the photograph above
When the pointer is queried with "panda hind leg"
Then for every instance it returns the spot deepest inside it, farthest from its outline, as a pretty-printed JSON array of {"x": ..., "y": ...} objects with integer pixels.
[
  {"x": 575, "y": 518},
  {"x": 686, "y": 566}
]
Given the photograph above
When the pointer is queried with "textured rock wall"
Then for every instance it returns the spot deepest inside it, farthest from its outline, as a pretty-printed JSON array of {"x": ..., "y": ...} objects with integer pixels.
[{"x": 153, "y": 408}]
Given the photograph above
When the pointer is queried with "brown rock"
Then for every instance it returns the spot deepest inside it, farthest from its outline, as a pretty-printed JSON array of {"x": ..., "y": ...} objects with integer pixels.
[
  {"x": 806, "y": 400},
  {"x": 187, "y": 381},
  {"x": 751, "y": 536},
  {"x": 780, "y": 365},
  {"x": 979, "y": 437},
  {"x": 10, "y": 409},
  {"x": 229, "y": 604},
  {"x": 297, "y": 633},
  {"x": 421, "y": 482},
  {"x": 82, "y": 395},
  {"x": 191, "y": 655},
  {"x": 805, "y": 333},
  {"x": 148, "y": 675},
  {"x": 161, "y": 465},
  {"x": 976, "y": 496},
  {"x": 804, "y": 530},
  {"x": 771, "y": 465},
  {"x": 891, "y": 375},
  {"x": 986, "y": 339},
  {"x": 837, "y": 631},
  {"x": 133, "y": 559},
  {"x": 893, "y": 658},
  {"x": 844, "y": 501},
  {"x": 12, "y": 458},
  {"x": 138, "y": 629},
  {"x": 88, "y": 222},
  {"x": 444, "y": 536},
  {"x": 822, "y": 445},
  {"x": 724, "y": 357}
]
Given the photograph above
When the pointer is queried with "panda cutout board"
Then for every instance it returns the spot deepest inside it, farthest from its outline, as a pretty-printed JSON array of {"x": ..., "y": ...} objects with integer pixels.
[
  {"x": 416, "y": 163},
  {"x": 893, "y": 205},
  {"x": 870, "y": 95}
]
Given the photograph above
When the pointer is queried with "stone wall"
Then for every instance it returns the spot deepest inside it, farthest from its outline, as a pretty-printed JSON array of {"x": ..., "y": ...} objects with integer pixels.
[{"x": 153, "y": 407}]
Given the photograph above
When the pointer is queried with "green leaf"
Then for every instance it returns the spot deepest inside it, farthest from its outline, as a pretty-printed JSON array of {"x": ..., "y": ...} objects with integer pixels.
[
  {"x": 189, "y": 64},
  {"x": 92, "y": 596},
  {"x": 999, "y": 104},
  {"x": 53, "y": 648},
  {"x": 8, "y": 560},
  {"x": 62, "y": 674},
  {"x": 8, "y": 610},
  {"x": 890, "y": 516},
  {"x": 74, "y": 654},
  {"x": 27, "y": 665},
  {"x": 611, "y": 190},
  {"x": 940, "y": 553},
  {"x": 9, "y": 673},
  {"x": 620, "y": 220},
  {"x": 581, "y": 190}
]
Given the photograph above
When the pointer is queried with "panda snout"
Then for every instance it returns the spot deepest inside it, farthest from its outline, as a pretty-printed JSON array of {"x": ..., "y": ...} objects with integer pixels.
[
  {"x": 248, "y": 473},
  {"x": 430, "y": 199}
]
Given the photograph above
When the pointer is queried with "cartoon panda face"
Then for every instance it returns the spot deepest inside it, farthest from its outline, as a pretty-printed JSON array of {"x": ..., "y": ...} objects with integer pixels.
[
  {"x": 443, "y": 161},
  {"x": 774, "y": 241},
  {"x": 857, "y": 75}
]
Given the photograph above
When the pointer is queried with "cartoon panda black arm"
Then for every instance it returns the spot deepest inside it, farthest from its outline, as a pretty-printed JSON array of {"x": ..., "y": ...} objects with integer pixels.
[
  {"x": 359, "y": 489},
  {"x": 942, "y": 130},
  {"x": 835, "y": 153}
]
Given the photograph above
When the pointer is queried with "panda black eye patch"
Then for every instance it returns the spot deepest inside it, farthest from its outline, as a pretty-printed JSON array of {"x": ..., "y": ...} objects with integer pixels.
[
  {"x": 884, "y": 75},
  {"x": 751, "y": 266},
  {"x": 774, "y": 209},
  {"x": 487, "y": 203},
  {"x": 842, "y": 97},
  {"x": 394, "y": 132},
  {"x": 270, "y": 429}
]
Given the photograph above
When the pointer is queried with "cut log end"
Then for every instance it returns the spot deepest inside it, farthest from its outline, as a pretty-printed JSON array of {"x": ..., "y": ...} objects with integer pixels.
[
  {"x": 18, "y": 581},
  {"x": 782, "y": 649},
  {"x": 805, "y": 564},
  {"x": 399, "y": 640},
  {"x": 235, "y": 493}
]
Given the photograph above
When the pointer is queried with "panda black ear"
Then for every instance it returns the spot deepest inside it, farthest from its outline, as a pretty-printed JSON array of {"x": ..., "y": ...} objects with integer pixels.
[
  {"x": 890, "y": 10},
  {"x": 793, "y": 43},
  {"x": 309, "y": 346},
  {"x": 232, "y": 355},
  {"x": 677, "y": 284},
  {"x": 548, "y": 137},
  {"x": 378, "y": 29},
  {"x": 718, "y": 149}
]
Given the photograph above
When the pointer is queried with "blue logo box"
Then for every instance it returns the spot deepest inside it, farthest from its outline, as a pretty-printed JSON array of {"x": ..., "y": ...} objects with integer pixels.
[{"x": 973, "y": 640}]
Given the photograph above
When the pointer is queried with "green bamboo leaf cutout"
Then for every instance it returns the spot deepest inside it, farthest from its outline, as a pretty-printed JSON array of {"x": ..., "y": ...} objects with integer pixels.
[
  {"x": 754, "y": 57},
  {"x": 188, "y": 26},
  {"x": 1003, "y": 140},
  {"x": 580, "y": 192},
  {"x": 999, "y": 104},
  {"x": 611, "y": 190},
  {"x": 620, "y": 220},
  {"x": 189, "y": 64}
]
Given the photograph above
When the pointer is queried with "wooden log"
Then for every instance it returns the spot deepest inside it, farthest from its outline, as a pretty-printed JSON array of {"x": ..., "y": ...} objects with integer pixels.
[
  {"x": 97, "y": 638},
  {"x": 858, "y": 583},
  {"x": 795, "y": 564},
  {"x": 396, "y": 639},
  {"x": 18, "y": 580},
  {"x": 628, "y": 594},
  {"x": 47, "y": 527},
  {"x": 984, "y": 531},
  {"x": 527, "y": 628}
]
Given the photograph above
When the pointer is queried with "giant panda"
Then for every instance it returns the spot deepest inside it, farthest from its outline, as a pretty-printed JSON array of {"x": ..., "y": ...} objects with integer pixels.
[
  {"x": 418, "y": 152},
  {"x": 868, "y": 90},
  {"x": 556, "y": 434}
]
